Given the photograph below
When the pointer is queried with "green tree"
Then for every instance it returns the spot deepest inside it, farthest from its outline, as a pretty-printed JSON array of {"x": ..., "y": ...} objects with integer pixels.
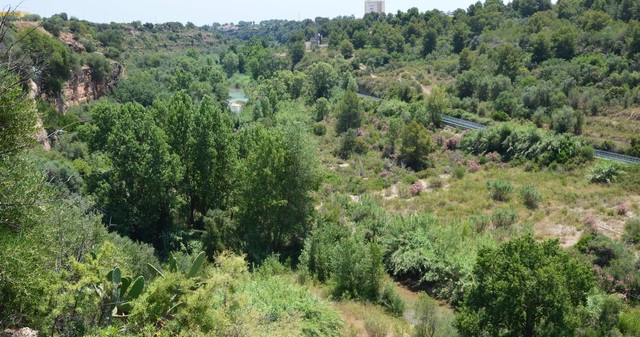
[
  {"x": 348, "y": 112},
  {"x": 100, "y": 67},
  {"x": 17, "y": 116},
  {"x": 437, "y": 105},
  {"x": 138, "y": 193},
  {"x": 230, "y": 63},
  {"x": 508, "y": 61},
  {"x": 360, "y": 38},
  {"x": 524, "y": 288},
  {"x": 464, "y": 61},
  {"x": 142, "y": 89},
  {"x": 212, "y": 158},
  {"x": 321, "y": 109},
  {"x": 429, "y": 42},
  {"x": 566, "y": 120},
  {"x": 393, "y": 40},
  {"x": 346, "y": 49},
  {"x": 540, "y": 47},
  {"x": 322, "y": 78},
  {"x": 565, "y": 41},
  {"x": 278, "y": 170},
  {"x": 296, "y": 52},
  {"x": 460, "y": 36},
  {"x": 416, "y": 145},
  {"x": 634, "y": 149},
  {"x": 633, "y": 38},
  {"x": 50, "y": 59},
  {"x": 529, "y": 7}
]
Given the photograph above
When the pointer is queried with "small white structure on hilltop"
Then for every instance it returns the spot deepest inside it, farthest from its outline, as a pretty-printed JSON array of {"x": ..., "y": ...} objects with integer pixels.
[{"x": 373, "y": 7}]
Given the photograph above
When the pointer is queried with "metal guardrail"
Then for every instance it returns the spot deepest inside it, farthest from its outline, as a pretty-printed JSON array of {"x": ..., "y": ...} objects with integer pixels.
[
  {"x": 467, "y": 125},
  {"x": 461, "y": 123},
  {"x": 616, "y": 156}
]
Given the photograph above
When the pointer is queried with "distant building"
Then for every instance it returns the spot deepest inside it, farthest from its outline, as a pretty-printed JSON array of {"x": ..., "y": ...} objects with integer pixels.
[
  {"x": 16, "y": 14},
  {"x": 373, "y": 7}
]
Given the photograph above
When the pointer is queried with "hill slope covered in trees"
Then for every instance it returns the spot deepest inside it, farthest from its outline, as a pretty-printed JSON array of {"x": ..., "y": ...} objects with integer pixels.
[{"x": 314, "y": 211}]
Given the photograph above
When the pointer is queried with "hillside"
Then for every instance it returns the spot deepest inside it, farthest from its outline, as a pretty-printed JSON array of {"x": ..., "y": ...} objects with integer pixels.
[{"x": 241, "y": 181}]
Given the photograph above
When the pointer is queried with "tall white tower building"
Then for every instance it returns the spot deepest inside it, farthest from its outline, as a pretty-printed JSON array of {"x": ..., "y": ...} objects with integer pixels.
[{"x": 373, "y": 7}]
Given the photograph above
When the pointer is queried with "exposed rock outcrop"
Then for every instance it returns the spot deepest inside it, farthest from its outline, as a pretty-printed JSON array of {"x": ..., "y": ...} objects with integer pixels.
[
  {"x": 77, "y": 46},
  {"x": 24, "y": 332},
  {"x": 41, "y": 133},
  {"x": 81, "y": 87}
]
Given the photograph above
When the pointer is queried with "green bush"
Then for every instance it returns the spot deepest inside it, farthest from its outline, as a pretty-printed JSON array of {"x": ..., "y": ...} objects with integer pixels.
[
  {"x": 357, "y": 270},
  {"x": 458, "y": 172},
  {"x": 601, "y": 249},
  {"x": 319, "y": 129},
  {"x": 426, "y": 316},
  {"x": 391, "y": 300},
  {"x": 350, "y": 143},
  {"x": 604, "y": 172},
  {"x": 530, "y": 196},
  {"x": 504, "y": 217},
  {"x": 375, "y": 326},
  {"x": 629, "y": 322},
  {"x": 436, "y": 183},
  {"x": 500, "y": 116},
  {"x": 480, "y": 222},
  {"x": 320, "y": 247},
  {"x": 500, "y": 190},
  {"x": 441, "y": 255},
  {"x": 632, "y": 230}
]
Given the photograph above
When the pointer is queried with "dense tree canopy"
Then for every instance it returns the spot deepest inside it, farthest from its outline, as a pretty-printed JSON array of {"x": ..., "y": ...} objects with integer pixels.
[{"x": 524, "y": 288}]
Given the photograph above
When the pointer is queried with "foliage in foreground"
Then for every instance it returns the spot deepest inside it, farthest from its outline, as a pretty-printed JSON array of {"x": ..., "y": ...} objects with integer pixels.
[{"x": 524, "y": 288}]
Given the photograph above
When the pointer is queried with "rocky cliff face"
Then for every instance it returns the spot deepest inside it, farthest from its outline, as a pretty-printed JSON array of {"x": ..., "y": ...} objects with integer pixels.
[
  {"x": 41, "y": 133},
  {"x": 81, "y": 88}
]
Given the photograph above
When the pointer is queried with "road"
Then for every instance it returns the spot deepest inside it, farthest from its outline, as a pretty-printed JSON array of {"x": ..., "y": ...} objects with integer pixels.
[{"x": 467, "y": 125}]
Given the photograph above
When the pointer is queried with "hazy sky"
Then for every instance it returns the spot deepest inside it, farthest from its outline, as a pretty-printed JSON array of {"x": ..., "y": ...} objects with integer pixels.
[{"x": 203, "y": 12}]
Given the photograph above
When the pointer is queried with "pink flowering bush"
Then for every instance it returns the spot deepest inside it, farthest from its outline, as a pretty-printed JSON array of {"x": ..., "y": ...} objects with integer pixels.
[
  {"x": 493, "y": 156},
  {"x": 452, "y": 143},
  {"x": 474, "y": 166},
  {"x": 416, "y": 188},
  {"x": 622, "y": 209}
]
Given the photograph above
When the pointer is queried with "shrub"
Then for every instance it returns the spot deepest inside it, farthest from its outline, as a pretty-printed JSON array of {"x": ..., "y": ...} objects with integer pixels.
[
  {"x": 416, "y": 146},
  {"x": 474, "y": 166},
  {"x": 350, "y": 144},
  {"x": 602, "y": 250},
  {"x": 504, "y": 217},
  {"x": 458, "y": 172},
  {"x": 452, "y": 143},
  {"x": 319, "y": 129},
  {"x": 427, "y": 317},
  {"x": 480, "y": 222},
  {"x": 436, "y": 183},
  {"x": 416, "y": 188},
  {"x": 629, "y": 323},
  {"x": 357, "y": 270},
  {"x": 530, "y": 196},
  {"x": 605, "y": 172},
  {"x": 375, "y": 326},
  {"x": 622, "y": 209},
  {"x": 632, "y": 230},
  {"x": 500, "y": 116},
  {"x": 391, "y": 300},
  {"x": 500, "y": 190}
]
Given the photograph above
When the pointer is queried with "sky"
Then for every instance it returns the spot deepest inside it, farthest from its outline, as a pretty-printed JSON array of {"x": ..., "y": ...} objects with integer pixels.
[{"x": 202, "y": 12}]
